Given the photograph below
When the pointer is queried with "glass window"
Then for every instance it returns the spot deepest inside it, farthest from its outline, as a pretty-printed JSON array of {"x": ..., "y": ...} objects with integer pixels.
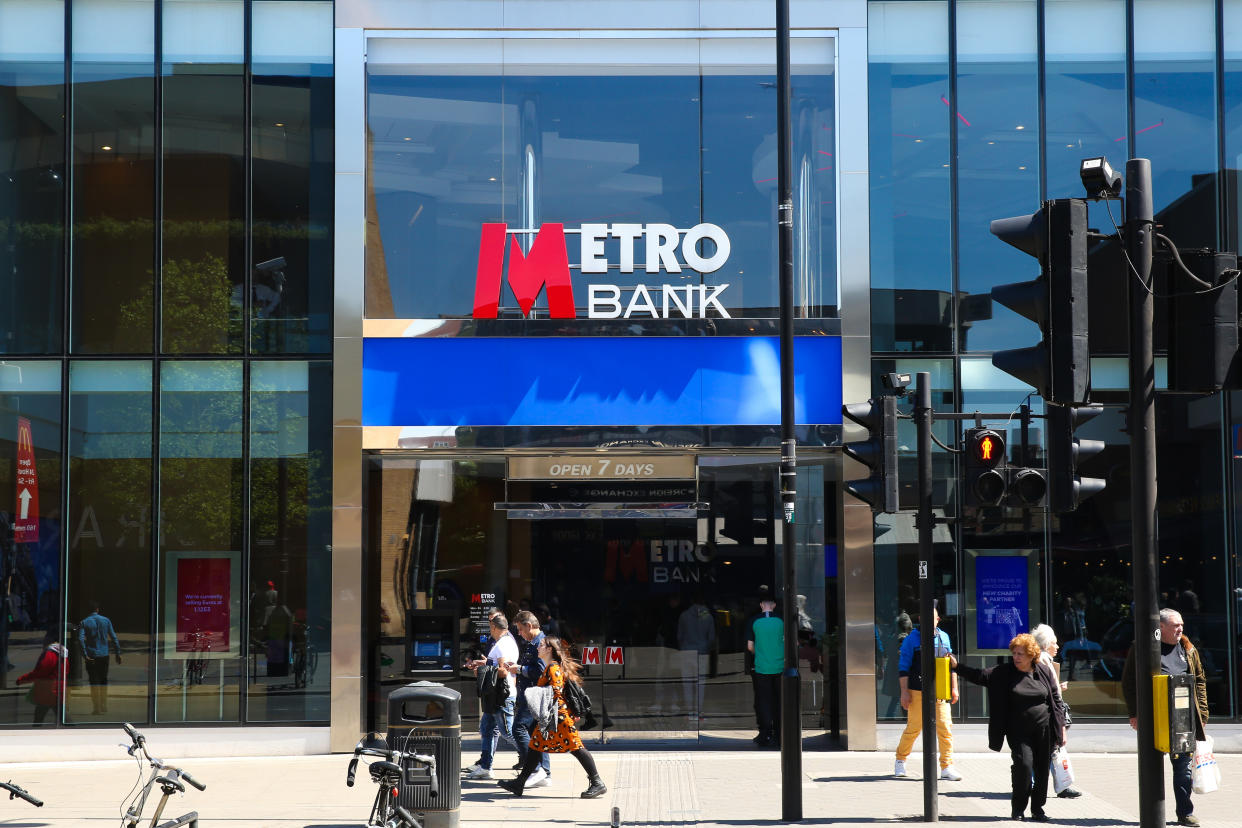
[
  {"x": 32, "y": 175},
  {"x": 199, "y": 622},
  {"x": 30, "y": 467},
  {"x": 998, "y": 159},
  {"x": 108, "y": 605},
  {"x": 1232, "y": 83},
  {"x": 113, "y": 203},
  {"x": 289, "y": 582},
  {"x": 530, "y": 134},
  {"x": 293, "y": 187},
  {"x": 1175, "y": 114},
  {"x": 908, "y": 84},
  {"x": 203, "y": 194}
]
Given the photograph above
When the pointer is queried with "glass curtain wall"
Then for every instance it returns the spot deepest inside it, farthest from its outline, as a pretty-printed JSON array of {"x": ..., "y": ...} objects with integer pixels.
[
  {"x": 32, "y": 174},
  {"x": 1078, "y": 563},
  {"x": 197, "y": 487}
]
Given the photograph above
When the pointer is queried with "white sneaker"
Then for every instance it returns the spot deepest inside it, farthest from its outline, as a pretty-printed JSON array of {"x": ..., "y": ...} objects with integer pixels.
[
  {"x": 538, "y": 779},
  {"x": 477, "y": 772},
  {"x": 950, "y": 773},
  {"x": 467, "y": 771},
  {"x": 899, "y": 768}
]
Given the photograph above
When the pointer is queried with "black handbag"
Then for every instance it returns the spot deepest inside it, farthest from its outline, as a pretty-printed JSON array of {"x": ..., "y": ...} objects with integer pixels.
[
  {"x": 576, "y": 699},
  {"x": 1065, "y": 712}
]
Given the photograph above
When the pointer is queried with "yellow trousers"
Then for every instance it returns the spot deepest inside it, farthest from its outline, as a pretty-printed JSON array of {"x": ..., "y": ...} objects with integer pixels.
[{"x": 914, "y": 727}]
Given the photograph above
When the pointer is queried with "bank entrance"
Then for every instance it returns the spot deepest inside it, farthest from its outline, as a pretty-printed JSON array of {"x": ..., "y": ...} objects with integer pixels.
[{"x": 648, "y": 563}]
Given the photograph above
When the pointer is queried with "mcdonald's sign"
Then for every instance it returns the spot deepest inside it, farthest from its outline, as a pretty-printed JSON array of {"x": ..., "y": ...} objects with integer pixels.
[{"x": 26, "y": 525}]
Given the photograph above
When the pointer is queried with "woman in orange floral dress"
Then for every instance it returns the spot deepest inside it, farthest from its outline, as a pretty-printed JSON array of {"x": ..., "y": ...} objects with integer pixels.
[{"x": 565, "y": 739}]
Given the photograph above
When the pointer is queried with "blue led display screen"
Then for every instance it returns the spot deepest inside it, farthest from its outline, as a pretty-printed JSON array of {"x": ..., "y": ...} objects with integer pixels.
[{"x": 595, "y": 381}]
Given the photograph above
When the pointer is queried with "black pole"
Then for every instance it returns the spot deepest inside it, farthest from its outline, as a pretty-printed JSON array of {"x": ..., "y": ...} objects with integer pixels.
[
  {"x": 791, "y": 707},
  {"x": 927, "y": 610},
  {"x": 1139, "y": 227}
]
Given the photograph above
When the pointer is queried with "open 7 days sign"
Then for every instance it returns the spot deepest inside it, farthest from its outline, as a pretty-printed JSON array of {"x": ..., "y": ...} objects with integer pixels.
[{"x": 546, "y": 264}]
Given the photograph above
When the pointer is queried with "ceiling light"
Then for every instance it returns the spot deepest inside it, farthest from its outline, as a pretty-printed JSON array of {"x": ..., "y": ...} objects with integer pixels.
[
  {"x": 405, "y": 139},
  {"x": 106, "y": 148},
  {"x": 279, "y": 124},
  {"x": 1019, "y": 126}
]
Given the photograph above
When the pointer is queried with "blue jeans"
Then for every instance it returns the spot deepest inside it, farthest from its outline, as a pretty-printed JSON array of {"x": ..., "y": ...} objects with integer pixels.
[
  {"x": 523, "y": 723},
  {"x": 1181, "y": 782},
  {"x": 491, "y": 727}
]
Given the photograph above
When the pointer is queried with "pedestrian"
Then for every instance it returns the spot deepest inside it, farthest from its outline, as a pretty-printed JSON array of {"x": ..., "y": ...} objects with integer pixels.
[
  {"x": 1046, "y": 638},
  {"x": 1022, "y": 709},
  {"x": 892, "y": 656},
  {"x": 564, "y": 737},
  {"x": 1177, "y": 657},
  {"x": 527, "y": 672},
  {"x": 496, "y": 721},
  {"x": 47, "y": 679},
  {"x": 696, "y": 635},
  {"x": 766, "y": 641},
  {"x": 98, "y": 638},
  {"x": 910, "y": 684}
]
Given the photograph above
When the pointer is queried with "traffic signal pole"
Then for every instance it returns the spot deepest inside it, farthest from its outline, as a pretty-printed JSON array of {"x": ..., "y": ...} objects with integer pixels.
[
  {"x": 1139, "y": 230},
  {"x": 927, "y": 610}
]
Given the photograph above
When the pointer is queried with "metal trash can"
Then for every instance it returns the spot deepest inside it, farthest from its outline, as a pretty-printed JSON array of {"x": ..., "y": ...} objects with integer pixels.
[{"x": 425, "y": 717}]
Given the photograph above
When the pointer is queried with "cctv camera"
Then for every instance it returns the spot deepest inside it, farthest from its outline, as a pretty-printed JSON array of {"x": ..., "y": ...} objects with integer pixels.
[
  {"x": 895, "y": 381},
  {"x": 1099, "y": 178}
]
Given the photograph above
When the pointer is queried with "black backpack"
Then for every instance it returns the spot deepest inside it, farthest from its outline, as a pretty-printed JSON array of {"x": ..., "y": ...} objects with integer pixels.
[{"x": 576, "y": 699}]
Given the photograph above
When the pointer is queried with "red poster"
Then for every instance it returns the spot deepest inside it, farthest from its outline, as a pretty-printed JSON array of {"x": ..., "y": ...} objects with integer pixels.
[
  {"x": 26, "y": 527},
  {"x": 203, "y": 604}
]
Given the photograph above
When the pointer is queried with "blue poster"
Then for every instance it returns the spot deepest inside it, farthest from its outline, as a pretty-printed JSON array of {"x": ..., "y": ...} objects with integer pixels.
[{"x": 1002, "y": 596}]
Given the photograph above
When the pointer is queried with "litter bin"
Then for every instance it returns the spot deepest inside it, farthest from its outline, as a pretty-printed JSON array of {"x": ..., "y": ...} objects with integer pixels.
[{"x": 425, "y": 717}]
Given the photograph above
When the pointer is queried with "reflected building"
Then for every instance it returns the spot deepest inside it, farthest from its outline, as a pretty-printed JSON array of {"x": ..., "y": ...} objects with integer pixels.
[{"x": 335, "y": 324}]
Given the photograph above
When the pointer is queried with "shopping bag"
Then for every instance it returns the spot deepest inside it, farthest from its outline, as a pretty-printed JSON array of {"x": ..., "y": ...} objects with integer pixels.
[
  {"x": 1204, "y": 772},
  {"x": 1062, "y": 770}
]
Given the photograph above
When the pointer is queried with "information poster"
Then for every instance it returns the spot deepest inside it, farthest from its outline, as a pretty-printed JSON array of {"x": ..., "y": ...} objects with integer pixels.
[
  {"x": 481, "y": 603},
  {"x": 1002, "y": 600},
  {"x": 202, "y": 605}
]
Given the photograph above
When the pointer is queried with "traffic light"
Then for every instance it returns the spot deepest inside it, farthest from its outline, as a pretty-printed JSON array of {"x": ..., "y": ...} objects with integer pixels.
[
  {"x": 879, "y": 453},
  {"x": 991, "y": 481},
  {"x": 1059, "y": 367},
  {"x": 985, "y": 480},
  {"x": 1067, "y": 489},
  {"x": 1203, "y": 324}
]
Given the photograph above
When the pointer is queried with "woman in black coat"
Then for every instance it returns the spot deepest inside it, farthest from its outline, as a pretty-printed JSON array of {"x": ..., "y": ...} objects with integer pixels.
[{"x": 1022, "y": 702}]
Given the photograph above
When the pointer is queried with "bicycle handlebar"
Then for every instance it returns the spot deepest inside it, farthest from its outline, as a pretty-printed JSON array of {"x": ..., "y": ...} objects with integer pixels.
[
  {"x": 353, "y": 769},
  {"x": 18, "y": 792},
  {"x": 133, "y": 734},
  {"x": 192, "y": 780}
]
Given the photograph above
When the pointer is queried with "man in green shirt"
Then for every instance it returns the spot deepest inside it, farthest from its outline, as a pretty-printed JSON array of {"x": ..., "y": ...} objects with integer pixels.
[{"x": 766, "y": 641}]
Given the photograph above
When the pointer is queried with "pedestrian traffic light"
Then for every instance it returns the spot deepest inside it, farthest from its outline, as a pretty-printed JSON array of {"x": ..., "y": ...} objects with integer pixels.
[
  {"x": 1059, "y": 367},
  {"x": 1067, "y": 489},
  {"x": 878, "y": 453},
  {"x": 985, "y": 477},
  {"x": 1203, "y": 323}
]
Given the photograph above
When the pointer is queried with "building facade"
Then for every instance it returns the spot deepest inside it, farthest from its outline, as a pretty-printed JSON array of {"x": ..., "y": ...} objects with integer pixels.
[{"x": 334, "y": 325}]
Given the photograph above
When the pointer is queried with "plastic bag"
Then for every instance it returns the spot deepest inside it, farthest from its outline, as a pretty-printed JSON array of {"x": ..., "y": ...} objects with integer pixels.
[
  {"x": 1062, "y": 770},
  {"x": 1204, "y": 772}
]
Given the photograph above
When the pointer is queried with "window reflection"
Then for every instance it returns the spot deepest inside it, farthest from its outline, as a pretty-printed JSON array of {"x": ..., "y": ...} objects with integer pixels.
[
  {"x": 113, "y": 241},
  {"x": 32, "y": 174},
  {"x": 911, "y": 273},
  {"x": 30, "y": 432},
  {"x": 109, "y": 527}
]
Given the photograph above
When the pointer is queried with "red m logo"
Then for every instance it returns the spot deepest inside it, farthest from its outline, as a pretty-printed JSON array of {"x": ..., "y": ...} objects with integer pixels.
[{"x": 547, "y": 263}]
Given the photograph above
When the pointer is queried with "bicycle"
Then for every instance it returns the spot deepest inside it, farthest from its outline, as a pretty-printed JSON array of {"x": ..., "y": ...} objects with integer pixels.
[
  {"x": 388, "y": 774},
  {"x": 169, "y": 782},
  {"x": 18, "y": 792}
]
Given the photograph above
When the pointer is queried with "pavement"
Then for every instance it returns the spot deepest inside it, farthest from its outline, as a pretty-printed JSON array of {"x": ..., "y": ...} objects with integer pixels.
[{"x": 649, "y": 787}]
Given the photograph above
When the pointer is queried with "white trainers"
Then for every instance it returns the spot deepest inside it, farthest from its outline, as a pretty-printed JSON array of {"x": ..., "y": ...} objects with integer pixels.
[
  {"x": 899, "y": 768},
  {"x": 471, "y": 769},
  {"x": 950, "y": 773},
  {"x": 477, "y": 772},
  {"x": 538, "y": 779}
]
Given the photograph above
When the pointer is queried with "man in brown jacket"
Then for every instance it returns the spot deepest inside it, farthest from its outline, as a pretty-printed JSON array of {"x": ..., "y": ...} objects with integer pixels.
[{"x": 1177, "y": 656}]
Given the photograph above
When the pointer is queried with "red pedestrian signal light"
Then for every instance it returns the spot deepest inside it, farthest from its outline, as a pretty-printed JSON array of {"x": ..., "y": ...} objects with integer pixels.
[{"x": 987, "y": 448}]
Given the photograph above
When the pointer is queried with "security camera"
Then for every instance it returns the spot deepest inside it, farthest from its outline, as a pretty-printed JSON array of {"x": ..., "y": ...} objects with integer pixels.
[
  {"x": 896, "y": 382},
  {"x": 1099, "y": 178}
]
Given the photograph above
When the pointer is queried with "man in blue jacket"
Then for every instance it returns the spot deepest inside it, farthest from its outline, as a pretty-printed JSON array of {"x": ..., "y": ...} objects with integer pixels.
[
  {"x": 528, "y": 669},
  {"x": 98, "y": 639},
  {"x": 910, "y": 679}
]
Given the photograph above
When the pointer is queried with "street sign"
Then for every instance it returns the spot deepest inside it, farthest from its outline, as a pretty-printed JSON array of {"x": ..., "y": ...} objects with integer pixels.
[
  {"x": 612, "y": 655},
  {"x": 26, "y": 525},
  {"x": 590, "y": 655}
]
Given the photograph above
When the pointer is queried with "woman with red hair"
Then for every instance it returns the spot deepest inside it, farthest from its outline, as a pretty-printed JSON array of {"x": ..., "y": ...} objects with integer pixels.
[{"x": 1022, "y": 695}]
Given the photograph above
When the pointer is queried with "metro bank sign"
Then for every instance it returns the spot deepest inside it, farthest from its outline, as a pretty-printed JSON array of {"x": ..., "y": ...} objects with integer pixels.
[{"x": 545, "y": 266}]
